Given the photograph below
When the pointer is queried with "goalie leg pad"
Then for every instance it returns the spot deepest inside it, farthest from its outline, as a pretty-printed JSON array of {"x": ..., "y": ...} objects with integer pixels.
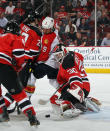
[
  {"x": 64, "y": 108},
  {"x": 92, "y": 106},
  {"x": 68, "y": 110},
  {"x": 70, "y": 113},
  {"x": 75, "y": 97},
  {"x": 95, "y": 100},
  {"x": 77, "y": 92}
]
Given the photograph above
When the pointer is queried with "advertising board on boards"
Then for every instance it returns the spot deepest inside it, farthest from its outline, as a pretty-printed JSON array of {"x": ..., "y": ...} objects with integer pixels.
[{"x": 96, "y": 59}]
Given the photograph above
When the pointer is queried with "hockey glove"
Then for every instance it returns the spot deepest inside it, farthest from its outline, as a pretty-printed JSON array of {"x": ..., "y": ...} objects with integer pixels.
[{"x": 24, "y": 74}]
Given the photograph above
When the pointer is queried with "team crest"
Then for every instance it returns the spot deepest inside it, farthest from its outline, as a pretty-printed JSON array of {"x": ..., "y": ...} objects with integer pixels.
[{"x": 46, "y": 41}]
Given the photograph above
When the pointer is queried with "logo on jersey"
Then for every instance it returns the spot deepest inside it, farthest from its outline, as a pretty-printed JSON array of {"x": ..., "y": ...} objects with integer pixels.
[
  {"x": 70, "y": 71},
  {"x": 46, "y": 41}
]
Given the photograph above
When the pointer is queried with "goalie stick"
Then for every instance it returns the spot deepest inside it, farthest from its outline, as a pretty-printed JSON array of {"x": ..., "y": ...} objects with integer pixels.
[{"x": 44, "y": 102}]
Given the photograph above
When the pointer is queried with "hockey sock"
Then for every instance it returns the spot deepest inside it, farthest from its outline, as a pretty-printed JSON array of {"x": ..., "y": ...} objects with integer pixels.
[
  {"x": 2, "y": 104},
  {"x": 24, "y": 102},
  {"x": 29, "y": 90},
  {"x": 0, "y": 91},
  {"x": 8, "y": 99}
]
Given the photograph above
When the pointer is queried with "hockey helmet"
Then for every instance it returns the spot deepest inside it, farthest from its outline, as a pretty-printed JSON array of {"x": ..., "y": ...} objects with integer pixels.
[
  {"x": 12, "y": 27},
  {"x": 33, "y": 15},
  {"x": 48, "y": 23},
  {"x": 59, "y": 52}
]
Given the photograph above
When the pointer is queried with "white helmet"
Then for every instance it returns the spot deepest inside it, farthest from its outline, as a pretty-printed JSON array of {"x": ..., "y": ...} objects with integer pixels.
[{"x": 48, "y": 23}]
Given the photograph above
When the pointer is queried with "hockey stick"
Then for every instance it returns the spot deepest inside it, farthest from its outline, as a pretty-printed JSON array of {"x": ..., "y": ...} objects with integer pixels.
[
  {"x": 90, "y": 52},
  {"x": 44, "y": 102}
]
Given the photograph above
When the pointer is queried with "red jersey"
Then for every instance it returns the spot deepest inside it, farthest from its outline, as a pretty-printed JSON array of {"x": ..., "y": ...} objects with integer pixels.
[
  {"x": 48, "y": 42},
  {"x": 62, "y": 14},
  {"x": 31, "y": 40},
  {"x": 2, "y": 10},
  {"x": 11, "y": 47},
  {"x": 19, "y": 11},
  {"x": 80, "y": 67},
  {"x": 85, "y": 14},
  {"x": 72, "y": 72}
]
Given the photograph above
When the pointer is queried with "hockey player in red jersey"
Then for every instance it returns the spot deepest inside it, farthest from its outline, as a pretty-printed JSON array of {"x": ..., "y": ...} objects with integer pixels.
[
  {"x": 12, "y": 54},
  {"x": 31, "y": 39},
  {"x": 32, "y": 36},
  {"x": 44, "y": 64},
  {"x": 73, "y": 81}
]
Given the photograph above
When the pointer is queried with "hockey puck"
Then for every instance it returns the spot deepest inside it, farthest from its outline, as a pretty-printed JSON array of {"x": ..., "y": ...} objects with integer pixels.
[{"x": 47, "y": 115}]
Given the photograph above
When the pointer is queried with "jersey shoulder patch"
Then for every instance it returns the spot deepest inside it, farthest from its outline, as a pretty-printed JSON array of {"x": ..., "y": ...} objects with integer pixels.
[{"x": 68, "y": 61}]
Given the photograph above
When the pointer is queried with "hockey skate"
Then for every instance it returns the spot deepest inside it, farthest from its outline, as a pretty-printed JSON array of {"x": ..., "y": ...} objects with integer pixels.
[
  {"x": 4, "y": 117},
  {"x": 32, "y": 119}
]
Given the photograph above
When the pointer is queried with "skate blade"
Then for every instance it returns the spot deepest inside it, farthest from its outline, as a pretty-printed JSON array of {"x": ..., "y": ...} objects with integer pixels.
[{"x": 34, "y": 124}]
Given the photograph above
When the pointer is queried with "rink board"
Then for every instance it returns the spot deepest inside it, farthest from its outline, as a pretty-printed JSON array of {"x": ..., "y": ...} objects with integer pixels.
[{"x": 96, "y": 59}]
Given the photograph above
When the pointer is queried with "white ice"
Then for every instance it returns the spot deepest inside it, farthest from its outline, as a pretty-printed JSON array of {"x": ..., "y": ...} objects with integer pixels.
[{"x": 100, "y": 89}]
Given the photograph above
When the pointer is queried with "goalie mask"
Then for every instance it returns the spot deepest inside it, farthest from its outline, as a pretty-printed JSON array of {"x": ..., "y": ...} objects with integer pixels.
[{"x": 59, "y": 52}]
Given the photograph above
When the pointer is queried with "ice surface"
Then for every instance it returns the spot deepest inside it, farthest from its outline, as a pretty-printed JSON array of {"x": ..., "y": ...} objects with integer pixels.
[{"x": 100, "y": 89}]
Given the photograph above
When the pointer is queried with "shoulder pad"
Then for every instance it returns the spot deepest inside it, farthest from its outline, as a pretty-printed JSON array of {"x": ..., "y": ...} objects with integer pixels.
[
  {"x": 35, "y": 29},
  {"x": 80, "y": 56},
  {"x": 68, "y": 60}
]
